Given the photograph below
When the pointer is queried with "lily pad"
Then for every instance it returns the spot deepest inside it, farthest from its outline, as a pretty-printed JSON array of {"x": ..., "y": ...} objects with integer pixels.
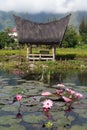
[
  {"x": 34, "y": 118},
  {"x": 13, "y": 127},
  {"x": 18, "y": 90},
  {"x": 76, "y": 127},
  {"x": 8, "y": 120},
  {"x": 10, "y": 108}
]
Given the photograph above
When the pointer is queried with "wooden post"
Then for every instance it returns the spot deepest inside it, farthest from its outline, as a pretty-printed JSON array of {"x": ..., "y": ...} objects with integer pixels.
[
  {"x": 30, "y": 49},
  {"x": 27, "y": 53},
  {"x": 54, "y": 52}
]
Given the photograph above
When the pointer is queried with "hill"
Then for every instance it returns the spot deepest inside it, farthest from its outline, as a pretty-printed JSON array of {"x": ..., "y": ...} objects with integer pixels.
[{"x": 7, "y": 20}]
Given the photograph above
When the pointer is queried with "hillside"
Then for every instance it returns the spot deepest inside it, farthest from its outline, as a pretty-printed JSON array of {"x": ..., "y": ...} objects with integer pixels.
[{"x": 7, "y": 20}]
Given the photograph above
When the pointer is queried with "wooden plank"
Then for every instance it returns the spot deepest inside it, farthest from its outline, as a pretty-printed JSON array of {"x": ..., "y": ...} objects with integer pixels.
[{"x": 40, "y": 57}]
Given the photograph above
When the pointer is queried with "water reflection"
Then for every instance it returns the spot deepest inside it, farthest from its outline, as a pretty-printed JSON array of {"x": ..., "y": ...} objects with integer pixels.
[
  {"x": 78, "y": 120},
  {"x": 76, "y": 77},
  {"x": 19, "y": 115}
]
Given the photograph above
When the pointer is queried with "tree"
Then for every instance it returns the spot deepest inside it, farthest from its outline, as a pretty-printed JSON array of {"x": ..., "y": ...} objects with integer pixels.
[
  {"x": 82, "y": 26},
  {"x": 83, "y": 30},
  {"x": 5, "y": 40},
  {"x": 70, "y": 38}
]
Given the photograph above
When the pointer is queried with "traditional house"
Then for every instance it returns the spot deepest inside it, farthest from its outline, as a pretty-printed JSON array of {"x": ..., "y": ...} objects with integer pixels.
[
  {"x": 33, "y": 33},
  {"x": 12, "y": 32}
]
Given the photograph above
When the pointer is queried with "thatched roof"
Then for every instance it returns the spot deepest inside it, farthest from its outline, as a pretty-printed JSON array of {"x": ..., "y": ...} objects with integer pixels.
[{"x": 41, "y": 33}]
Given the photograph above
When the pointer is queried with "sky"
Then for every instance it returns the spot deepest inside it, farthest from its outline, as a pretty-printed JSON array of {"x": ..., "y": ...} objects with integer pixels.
[{"x": 47, "y": 6}]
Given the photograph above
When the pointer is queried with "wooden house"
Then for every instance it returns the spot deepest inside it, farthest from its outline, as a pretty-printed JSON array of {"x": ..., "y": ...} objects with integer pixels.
[{"x": 32, "y": 33}]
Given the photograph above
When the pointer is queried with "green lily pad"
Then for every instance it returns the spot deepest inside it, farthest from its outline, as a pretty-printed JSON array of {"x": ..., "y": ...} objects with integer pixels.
[
  {"x": 10, "y": 108},
  {"x": 13, "y": 127},
  {"x": 58, "y": 115},
  {"x": 17, "y": 127},
  {"x": 34, "y": 118},
  {"x": 18, "y": 90},
  {"x": 76, "y": 127},
  {"x": 8, "y": 120},
  {"x": 61, "y": 122}
]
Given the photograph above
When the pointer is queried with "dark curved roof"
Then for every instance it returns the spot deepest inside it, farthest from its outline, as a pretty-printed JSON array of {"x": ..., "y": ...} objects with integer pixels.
[{"x": 41, "y": 33}]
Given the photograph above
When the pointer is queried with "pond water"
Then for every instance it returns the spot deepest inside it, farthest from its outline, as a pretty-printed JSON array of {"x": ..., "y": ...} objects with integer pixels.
[{"x": 28, "y": 114}]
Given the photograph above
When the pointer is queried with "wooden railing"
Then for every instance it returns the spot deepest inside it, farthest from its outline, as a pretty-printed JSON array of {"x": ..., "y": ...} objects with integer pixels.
[{"x": 40, "y": 56}]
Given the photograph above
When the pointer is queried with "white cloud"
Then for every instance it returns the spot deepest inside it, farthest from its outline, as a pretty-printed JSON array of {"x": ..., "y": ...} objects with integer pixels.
[
  {"x": 80, "y": 5},
  {"x": 36, "y": 6}
]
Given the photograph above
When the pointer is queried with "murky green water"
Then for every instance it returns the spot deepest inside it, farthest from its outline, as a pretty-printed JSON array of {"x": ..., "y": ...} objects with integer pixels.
[{"x": 31, "y": 116}]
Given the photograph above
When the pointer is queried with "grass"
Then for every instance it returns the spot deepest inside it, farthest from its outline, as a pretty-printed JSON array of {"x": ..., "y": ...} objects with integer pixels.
[
  {"x": 78, "y": 52},
  {"x": 10, "y": 59}
]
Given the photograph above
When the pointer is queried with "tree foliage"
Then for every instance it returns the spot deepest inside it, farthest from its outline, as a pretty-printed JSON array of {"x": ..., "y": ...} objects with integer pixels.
[
  {"x": 70, "y": 38},
  {"x": 83, "y": 30},
  {"x": 82, "y": 26},
  {"x": 5, "y": 40}
]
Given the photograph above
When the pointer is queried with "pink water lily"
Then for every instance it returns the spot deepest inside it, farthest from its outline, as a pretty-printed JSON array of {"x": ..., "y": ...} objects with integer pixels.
[
  {"x": 46, "y": 93},
  {"x": 61, "y": 85},
  {"x": 67, "y": 100},
  {"x": 78, "y": 95},
  {"x": 47, "y": 104},
  {"x": 59, "y": 92},
  {"x": 70, "y": 91},
  {"x": 18, "y": 97}
]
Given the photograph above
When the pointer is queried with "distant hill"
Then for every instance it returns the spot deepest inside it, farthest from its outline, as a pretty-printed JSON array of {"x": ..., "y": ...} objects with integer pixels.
[{"x": 7, "y": 20}]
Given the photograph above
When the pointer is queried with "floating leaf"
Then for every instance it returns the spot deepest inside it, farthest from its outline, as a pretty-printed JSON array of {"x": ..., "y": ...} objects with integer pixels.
[
  {"x": 10, "y": 108},
  {"x": 34, "y": 118},
  {"x": 8, "y": 120},
  {"x": 18, "y": 90},
  {"x": 77, "y": 127},
  {"x": 13, "y": 127}
]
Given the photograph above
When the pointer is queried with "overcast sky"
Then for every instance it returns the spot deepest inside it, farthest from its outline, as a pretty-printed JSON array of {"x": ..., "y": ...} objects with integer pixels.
[{"x": 37, "y": 6}]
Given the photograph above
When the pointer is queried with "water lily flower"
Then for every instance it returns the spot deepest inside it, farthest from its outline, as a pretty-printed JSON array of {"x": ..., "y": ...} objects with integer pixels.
[
  {"x": 59, "y": 92},
  {"x": 78, "y": 95},
  {"x": 47, "y": 104},
  {"x": 61, "y": 85},
  {"x": 67, "y": 100},
  {"x": 18, "y": 97},
  {"x": 70, "y": 91},
  {"x": 46, "y": 93}
]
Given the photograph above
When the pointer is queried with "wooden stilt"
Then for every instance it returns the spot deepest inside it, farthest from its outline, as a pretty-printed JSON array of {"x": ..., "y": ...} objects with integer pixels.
[
  {"x": 30, "y": 49},
  {"x": 54, "y": 52},
  {"x": 27, "y": 53}
]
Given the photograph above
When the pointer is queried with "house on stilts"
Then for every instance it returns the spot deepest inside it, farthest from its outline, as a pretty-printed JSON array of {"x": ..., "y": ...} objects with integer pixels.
[{"x": 32, "y": 33}]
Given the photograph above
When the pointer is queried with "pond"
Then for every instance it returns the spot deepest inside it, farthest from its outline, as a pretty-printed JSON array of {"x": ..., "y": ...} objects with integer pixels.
[{"x": 28, "y": 114}]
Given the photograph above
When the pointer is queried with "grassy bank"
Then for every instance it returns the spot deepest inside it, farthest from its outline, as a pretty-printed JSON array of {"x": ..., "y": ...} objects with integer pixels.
[
  {"x": 78, "y": 52},
  {"x": 67, "y": 58}
]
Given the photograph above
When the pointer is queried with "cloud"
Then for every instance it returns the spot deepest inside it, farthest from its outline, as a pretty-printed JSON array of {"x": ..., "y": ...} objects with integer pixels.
[
  {"x": 37, "y": 6},
  {"x": 80, "y": 5}
]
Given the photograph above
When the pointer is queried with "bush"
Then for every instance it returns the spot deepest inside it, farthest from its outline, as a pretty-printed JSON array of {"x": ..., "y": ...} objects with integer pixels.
[{"x": 65, "y": 56}]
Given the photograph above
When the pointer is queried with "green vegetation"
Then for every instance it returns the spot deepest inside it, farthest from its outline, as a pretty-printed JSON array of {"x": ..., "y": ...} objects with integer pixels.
[
  {"x": 83, "y": 30},
  {"x": 71, "y": 38},
  {"x": 72, "y": 54},
  {"x": 14, "y": 61},
  {"x": 75, "y": 53},
  {"x": 66, "y": 58}
]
